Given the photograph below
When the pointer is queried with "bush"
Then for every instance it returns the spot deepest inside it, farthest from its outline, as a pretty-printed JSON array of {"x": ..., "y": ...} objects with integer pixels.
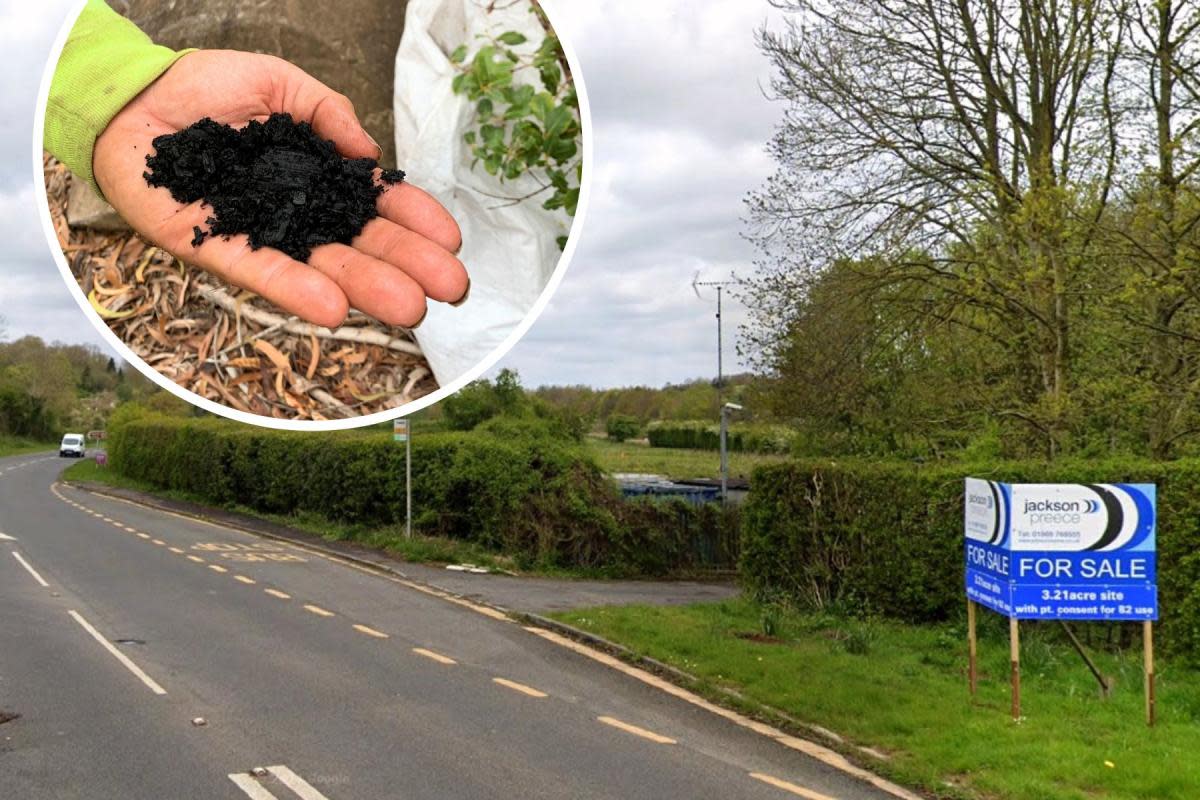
[
  {"x": 740, "y": 437},
  {"x": 621, "y": 427},
  {"x": 470, "y": 406},
  {"x": 520, "y": 486},
  {"x": 887, "y": 539}
]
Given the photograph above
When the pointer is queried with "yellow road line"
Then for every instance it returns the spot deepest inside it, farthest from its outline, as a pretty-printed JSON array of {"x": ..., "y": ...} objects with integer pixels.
[
  {"x": 175, "y": 550},
  {"x": 279, "y": 594},
  {"x": 519, "y": 687},
  {"x": 217, "y": 568},
  {"x": 799, "y": 791},
  {"x": 438, "y": 657},
  {"x": 320, "y": 612},
  {"x": 370, "y": 631},
  {"x": 636, "y": 731},
  {"x": 244, "y": 579},
  {"x": 197, "y": 559}
]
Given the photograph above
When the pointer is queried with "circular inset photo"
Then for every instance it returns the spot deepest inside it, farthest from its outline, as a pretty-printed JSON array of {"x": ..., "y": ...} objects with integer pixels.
[{"x": 312, "y": 214}]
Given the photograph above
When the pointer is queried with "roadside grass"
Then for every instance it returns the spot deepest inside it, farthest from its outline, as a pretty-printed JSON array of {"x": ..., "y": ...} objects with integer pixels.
[
  {"x": 902, "y": 689},
  {"x": 12, "y": 446},
  {"x": 389, "y": 539},
  {"x": 673, "y": 462}
]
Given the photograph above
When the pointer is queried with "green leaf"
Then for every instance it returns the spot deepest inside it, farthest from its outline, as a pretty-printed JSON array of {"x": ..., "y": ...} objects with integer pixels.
[
  {"x": 512, "y": 38},
  {"x": 459, "y": 54}
]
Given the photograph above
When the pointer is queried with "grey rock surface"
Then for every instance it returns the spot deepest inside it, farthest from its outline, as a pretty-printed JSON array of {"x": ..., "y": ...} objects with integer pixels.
[
  {"x": 85, "y": 209},
  {"x": 349, "y": 45}
]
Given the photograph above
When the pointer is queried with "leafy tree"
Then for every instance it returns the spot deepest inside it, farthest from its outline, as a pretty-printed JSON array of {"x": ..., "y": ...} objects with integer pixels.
[{"x": 621, "y": 427}]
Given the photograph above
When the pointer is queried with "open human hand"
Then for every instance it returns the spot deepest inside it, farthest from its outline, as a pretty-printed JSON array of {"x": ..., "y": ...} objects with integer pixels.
[{"x": 400, "y": 258}]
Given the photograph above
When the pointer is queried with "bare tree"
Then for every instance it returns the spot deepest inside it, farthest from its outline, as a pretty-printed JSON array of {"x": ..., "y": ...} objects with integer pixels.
[{"x": 968, "y": 144}]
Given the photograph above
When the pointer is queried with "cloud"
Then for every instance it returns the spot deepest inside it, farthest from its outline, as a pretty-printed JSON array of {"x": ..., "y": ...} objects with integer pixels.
[
  {"x": 680, "y": 127},
  {"x": 34, "y": 300}
]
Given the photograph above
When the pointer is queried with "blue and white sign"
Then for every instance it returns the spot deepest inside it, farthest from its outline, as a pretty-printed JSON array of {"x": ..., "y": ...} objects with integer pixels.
[{"x": 1061, "y": 550}]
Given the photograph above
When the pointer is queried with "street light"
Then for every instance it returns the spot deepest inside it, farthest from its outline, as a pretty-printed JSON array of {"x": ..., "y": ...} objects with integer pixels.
[{"x": 725, "y": 409}]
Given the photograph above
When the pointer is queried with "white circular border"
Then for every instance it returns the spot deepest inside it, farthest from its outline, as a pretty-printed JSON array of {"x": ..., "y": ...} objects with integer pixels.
[{"x": 130, "y": 357}]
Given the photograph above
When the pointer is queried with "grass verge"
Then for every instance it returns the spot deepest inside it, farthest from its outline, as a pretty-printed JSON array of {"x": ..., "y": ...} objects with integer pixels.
[
  {"x": 902, "y": 690},
  {"x": 672, "y": 462},
  {"x": 10, "y": 446}
]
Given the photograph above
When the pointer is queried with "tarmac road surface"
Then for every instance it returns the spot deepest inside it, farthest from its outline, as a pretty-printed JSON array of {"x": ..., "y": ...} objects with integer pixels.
[{"x": 154, "y": 656}]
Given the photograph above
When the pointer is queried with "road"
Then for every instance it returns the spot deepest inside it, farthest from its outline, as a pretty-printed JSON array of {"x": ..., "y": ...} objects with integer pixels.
[{"x": 155, "y": 656}]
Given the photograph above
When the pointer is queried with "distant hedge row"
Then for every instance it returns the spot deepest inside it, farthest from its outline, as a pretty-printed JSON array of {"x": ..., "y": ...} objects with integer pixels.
[
  {"x": 701, "y": 435},
  {"x": 513, "y": 486},
  {"x": 887, "y": 538}
]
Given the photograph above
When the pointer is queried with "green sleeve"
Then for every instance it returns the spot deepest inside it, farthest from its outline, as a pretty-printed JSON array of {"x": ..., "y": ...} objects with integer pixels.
[{"x": 107, "y": 61}]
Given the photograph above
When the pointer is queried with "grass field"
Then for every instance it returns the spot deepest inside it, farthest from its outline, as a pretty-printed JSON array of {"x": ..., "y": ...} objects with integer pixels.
[
  {"x": 902, "y": 689},
  {"x": 674, "y": 463}
]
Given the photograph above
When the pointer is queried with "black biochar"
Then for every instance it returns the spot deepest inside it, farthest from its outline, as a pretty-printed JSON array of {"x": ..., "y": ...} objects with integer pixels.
[{"x": 276, "y": 181}]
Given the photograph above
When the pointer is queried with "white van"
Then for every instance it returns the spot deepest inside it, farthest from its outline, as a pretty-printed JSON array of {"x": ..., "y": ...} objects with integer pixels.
[{"x": 72, "y": 445}]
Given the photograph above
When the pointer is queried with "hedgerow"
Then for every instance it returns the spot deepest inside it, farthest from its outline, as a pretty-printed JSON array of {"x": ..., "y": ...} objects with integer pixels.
[
  {"x": 519, "y": 486},
  {"x": 887, "y": 539},
  {"x": 701, "y": 435}
]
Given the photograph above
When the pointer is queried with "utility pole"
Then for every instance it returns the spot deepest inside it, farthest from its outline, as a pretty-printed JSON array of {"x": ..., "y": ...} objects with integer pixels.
[{"x": 720, "y": 286}]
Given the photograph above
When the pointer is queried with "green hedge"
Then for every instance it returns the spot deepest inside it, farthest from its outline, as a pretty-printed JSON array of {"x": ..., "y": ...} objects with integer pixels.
[
  {"x": 740, "y": 438},
  {"x": 887, "y": 538},
  {"x": 516, "y": 486}
]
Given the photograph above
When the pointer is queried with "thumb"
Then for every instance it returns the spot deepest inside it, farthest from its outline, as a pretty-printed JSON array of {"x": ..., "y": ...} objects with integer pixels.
[
  {"x": 330, "y": 113},
  {"x": 333, "y": 118}
]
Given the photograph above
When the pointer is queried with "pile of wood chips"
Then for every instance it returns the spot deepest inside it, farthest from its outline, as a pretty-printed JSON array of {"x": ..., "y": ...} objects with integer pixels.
[{"x": 228, "y": 345}]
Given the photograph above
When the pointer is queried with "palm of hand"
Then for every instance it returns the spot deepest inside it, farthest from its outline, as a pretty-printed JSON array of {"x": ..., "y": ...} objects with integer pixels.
[{"x": 388, "y": 271}]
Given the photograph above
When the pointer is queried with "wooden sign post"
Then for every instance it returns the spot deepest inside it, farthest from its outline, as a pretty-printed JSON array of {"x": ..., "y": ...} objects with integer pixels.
[
  {"x": 1014, "y": 649},
  {"x": 972, "y": 654},
  {"x": 1148, "y": 655}
]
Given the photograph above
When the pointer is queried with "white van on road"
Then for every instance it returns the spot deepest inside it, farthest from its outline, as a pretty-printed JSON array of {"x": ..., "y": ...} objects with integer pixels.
[{"x": 72, "y": 445}]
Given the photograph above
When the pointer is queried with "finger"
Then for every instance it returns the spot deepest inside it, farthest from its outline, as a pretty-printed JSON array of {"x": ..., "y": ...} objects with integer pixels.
[
  {"x": 415, "y": 209},
  {"x": 440, "y": 274},
  {"x": 331, "y": 114},
  {"x": 296, "y": 288},
  {"x": 372, "y": 286}
]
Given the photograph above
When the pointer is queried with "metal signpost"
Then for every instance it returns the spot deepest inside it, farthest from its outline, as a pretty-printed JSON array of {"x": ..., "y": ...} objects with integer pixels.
[
  {"x": 725, "y": 409},
  {"x": 400, "y": 432},
  {"x": 1060, "y": 552}
]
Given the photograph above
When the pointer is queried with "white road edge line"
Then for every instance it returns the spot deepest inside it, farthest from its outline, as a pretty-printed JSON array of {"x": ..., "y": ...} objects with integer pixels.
[
  {"x": 117, "y": 654},
  {"x": 251, "y": 787},
  {"x": 31, "y": 570},
  {"x": 296, "y": 783}
]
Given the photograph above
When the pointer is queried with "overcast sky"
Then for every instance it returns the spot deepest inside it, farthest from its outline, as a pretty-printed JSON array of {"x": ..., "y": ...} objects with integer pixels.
[{"x": 680, "y": 123}]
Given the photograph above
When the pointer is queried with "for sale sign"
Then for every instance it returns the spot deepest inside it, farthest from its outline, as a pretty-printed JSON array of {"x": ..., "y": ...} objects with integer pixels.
[{"x": 1061, "y": 551}]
